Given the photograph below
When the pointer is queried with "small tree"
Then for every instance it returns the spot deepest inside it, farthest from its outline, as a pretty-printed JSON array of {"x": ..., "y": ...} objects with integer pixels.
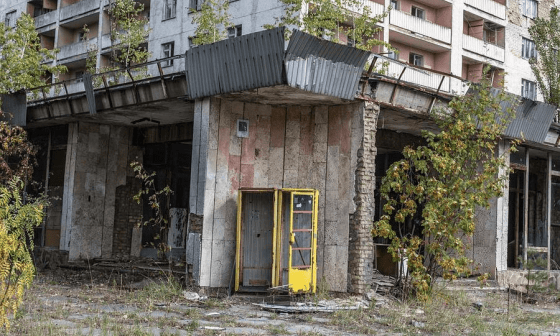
[
  {"x": 546, "y": 66},
  {"x": 457, "y": 171},
  {"x": 128, "y": 32},
  {"x": 212, "y": 22},
  {"x": 22, "y": 66},
  {"x": 328, "y": 19}
]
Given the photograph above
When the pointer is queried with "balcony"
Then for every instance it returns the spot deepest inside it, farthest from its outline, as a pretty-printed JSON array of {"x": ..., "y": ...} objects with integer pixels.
[
  {"x": 75, "y": 49},
  {"x": 482, "y": 48},
  {"x": 419, "y": 77},
  {"x": 45, "y": 19},
  {"x": 374, "y": 7},
  {"x": 489, "y": 6},
  {"x": 419, "y": 26},
  {"x": 77, "y": 9}
]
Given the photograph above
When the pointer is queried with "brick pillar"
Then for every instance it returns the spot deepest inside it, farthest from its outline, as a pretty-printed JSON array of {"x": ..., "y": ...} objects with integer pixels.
[{"x": 360, "y": 262}]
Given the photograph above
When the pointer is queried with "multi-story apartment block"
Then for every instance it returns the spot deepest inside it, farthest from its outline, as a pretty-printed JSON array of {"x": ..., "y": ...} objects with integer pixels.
[
  {"x": 209, "y": 139},
  {"x": 452, "y": 37}
]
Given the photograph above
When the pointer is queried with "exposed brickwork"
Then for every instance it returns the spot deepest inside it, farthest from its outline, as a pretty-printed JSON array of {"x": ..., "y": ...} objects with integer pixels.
[
  {"x": 128, "y": 213},
  {"x": 360, "y": 261}
]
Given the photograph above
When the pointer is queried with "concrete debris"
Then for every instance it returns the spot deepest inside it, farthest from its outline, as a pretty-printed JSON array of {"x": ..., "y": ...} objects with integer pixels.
[
  {"x": 192, "y": 296},
  {"x": 212, "y": 328},
  {"x": 323, "y": 306},
  {"x": 383, "y": 283}
]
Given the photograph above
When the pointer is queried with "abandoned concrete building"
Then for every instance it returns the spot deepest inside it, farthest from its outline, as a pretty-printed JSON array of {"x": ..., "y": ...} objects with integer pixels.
[{"x": 281, "y": 144}]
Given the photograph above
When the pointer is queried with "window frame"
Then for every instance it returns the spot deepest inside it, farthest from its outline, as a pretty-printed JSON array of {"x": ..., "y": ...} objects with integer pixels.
[
  {"x": 10, "y": 19},
  {"x": 170, "y": 46},
  {"x": 528, "y": 89},
  {"x": 529, "y": 8},
  {"x": 395, "y": 4},
  {"x": 394, "y": 55},
  {"x": 169, "y": 9},
  {"x": 79, "y": 76},
  {"x": 235, "y": 31},
  {"x": 414, "y": 10},
  {"x": 412, "y": 57},
  {"x": 528, "y": 48}
]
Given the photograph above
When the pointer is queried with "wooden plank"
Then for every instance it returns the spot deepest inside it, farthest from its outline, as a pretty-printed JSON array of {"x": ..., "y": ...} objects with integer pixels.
[
  {"x": 195, "y": 156},
  {"x": 548, "y": 207},
  {"x": 203, "y": 155}
]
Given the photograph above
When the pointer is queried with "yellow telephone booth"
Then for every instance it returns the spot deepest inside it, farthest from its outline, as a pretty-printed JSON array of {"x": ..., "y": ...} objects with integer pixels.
[{"x": 277, "y": 240}]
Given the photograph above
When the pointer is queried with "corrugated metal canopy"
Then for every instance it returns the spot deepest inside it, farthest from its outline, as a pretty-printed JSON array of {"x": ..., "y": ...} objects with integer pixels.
[
  {"x": 15, "y": 105},
  {"x": 237, "y": 64},
  {"x": 324, "y": 67},
  {"x": 258, "y": 60}
]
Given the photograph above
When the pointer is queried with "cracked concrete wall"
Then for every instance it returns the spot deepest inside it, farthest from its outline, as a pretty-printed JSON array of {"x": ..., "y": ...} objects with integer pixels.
[{"x": 288, "y": 147}]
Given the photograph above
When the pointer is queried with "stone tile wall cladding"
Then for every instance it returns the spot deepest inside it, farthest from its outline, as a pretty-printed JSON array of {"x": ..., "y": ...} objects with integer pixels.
[
  {"x": 288, "y": 147},
  {"x": 97, "y": 162}
]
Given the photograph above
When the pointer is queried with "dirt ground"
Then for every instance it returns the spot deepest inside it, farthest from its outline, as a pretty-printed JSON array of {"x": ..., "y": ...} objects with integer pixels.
[{"x": 82, "y": 302}]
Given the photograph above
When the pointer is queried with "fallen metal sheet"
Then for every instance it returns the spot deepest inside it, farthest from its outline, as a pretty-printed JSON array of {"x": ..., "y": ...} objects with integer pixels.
[{"x": 309, "y": 308}]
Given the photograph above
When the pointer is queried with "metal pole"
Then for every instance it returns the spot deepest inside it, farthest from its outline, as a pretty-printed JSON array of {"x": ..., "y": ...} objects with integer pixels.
[{"x": 526, "y": 207}]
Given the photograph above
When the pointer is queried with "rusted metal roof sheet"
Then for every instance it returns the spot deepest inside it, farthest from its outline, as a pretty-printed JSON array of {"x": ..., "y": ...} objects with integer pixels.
[
  {"x": 242, "y": 63},
  {"x": 323, "y": 67},
  {"x": 15, "y": 105},
  {"x": 258, "y": 60},
  {"x": 532, "y": 120}
]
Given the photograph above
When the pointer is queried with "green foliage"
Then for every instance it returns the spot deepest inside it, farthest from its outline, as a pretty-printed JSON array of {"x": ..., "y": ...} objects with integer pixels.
[
  {"x": 158, "y": 200},
  {"x": 544, "y": 32},
  {"x": 22, "y": 59},
  {"x": 128, "y": 32},
  {"x": 17, "y": 220},
  {"x": 212, "y": 22},
  {"x": 331, "y": 18},
  {"x": 443, "y": 183}
]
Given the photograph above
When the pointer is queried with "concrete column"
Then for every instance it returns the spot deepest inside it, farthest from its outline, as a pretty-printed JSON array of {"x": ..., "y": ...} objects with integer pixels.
[{"x": 360, "y": 261}]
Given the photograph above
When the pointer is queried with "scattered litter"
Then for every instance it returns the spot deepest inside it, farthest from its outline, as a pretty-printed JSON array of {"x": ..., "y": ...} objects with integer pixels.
[
  {"x": 478, "y": 305},
  {"x": 418, "y": 324},
  {"x": 192, "y": 296},
  {"x": 213, "y": 314},
  {"x": 160, "y": 304},
  {"x": 419, "y": 311}
]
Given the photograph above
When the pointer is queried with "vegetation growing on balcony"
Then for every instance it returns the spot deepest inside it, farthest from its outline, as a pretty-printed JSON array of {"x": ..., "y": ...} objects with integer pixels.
[
  {"x": 333, "y": 19},
  {"x": 212, "y": 22}
]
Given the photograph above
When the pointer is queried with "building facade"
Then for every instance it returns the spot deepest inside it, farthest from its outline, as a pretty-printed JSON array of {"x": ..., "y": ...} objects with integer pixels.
[{"x": 337, "y": 144}]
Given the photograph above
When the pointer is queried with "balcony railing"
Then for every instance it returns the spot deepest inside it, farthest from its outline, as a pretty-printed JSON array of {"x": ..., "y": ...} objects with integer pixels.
[
  {"x": 45, "y": 19},
  {"x": 78, "y": 8},
  {"x": 75, "y": 49},
  {"x": 419, "y": 77},
  {"x": 419, "y": 26},
  {"x": 374, "y": 7},
  {"x": 480, "y": 47},
  {"x": 489, "y": 6}
]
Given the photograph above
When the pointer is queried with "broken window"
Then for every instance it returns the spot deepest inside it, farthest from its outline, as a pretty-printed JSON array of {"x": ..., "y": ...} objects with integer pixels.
[
  {"x": 10, "y": 19},
  {"x": 395, "y": 4},
  {"x": 528, "y": 89},
  {"x": 235, "y": 31},
  {"x": 528, "y": 48},
  {"x": 529, "y": 8},
  {"x": 418, "y": 12},
  {"x": 416, "y": 59}
]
